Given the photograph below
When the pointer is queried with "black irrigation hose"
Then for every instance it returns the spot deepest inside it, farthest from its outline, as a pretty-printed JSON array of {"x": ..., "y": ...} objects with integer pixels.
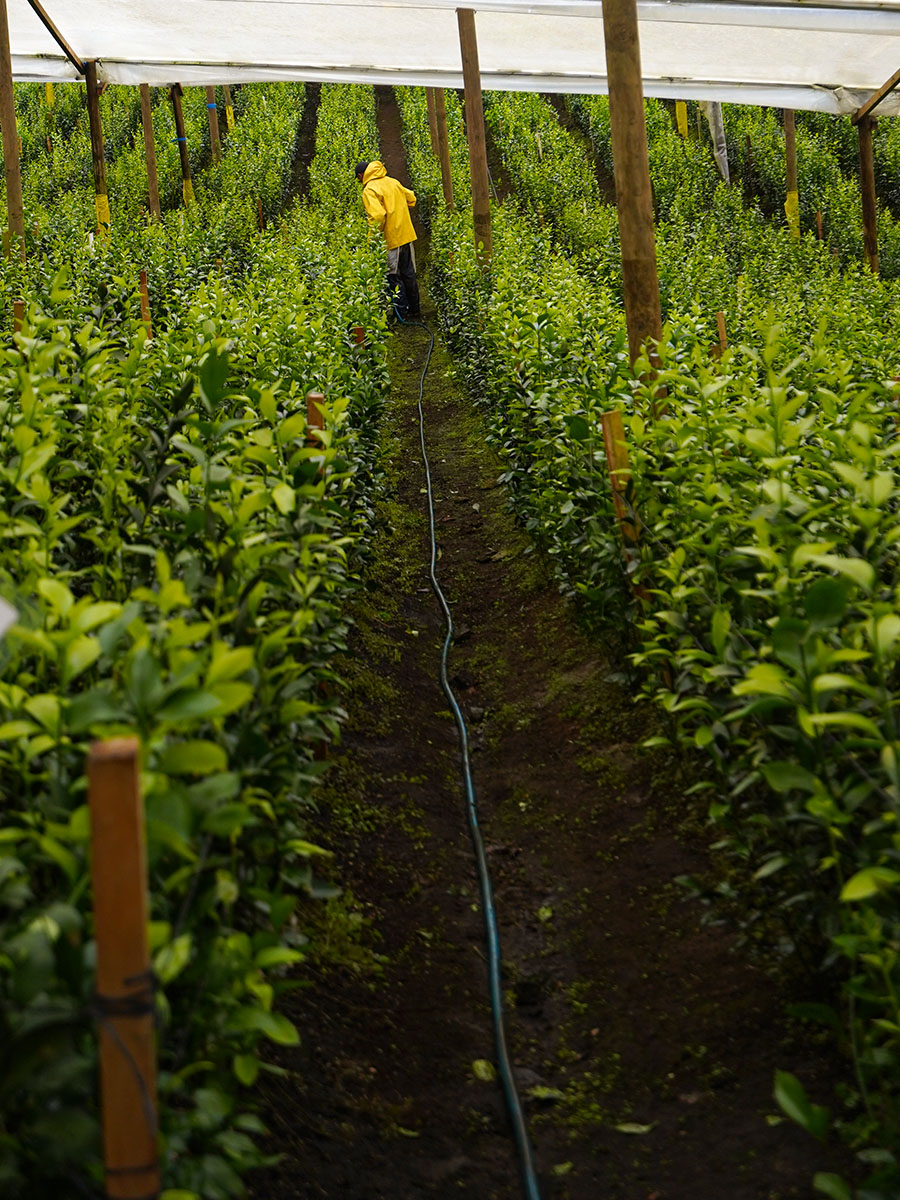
[{"x": 513, "y": 1103}]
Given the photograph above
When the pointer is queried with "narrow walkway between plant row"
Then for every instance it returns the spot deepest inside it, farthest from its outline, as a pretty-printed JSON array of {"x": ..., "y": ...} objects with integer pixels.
[{"x": 645, "y": 1045}]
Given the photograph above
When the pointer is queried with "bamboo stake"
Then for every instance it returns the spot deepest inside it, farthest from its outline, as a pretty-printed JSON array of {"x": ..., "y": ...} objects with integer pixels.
[
  {"x": 792, "y": 199},
  {"x": 867, "y": 187},
  {"x": 212, "y": 114},
  {"x": 150, "y": 153},
  {"x": 632, "y": 173},
  {"x": 440, "y": 110},
  {"x": 478, "y": 169},
  {"x": 432, "y": 120},
  {"x": 124, "y": 989},
  {"x": 14, "y": 206},
  {"x": 229, "y": 108},
  {"x": 101, "y": 199},
  {"x": 187, "y": 185},
  {"x": 145, "y": 304}
]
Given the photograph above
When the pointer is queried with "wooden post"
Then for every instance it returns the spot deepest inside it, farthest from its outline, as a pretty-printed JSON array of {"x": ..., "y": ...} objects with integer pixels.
[
  {"x": 14, "y": 207},
  {"x": 145, "y": 304},
  {"x": 259, "y": 213},
  {"x": 150, "y": 152},
  {"x": 681, "y": 121},
  {"x": 212, "y": 113},
  {"x": 187, "y": 186},
  {"x": 314, "y": 418},
  {"x": 359, "y": 339},
  {"x": 440, "y": 112},
  {"x": 723, "y": 336},
  {"x": 632, "y": 173},
  {"x": 619, "y": 471},
  {"x": 229, "y": 108},
  {"x": 124, "y": 988},
  {"x": 432, "y": 120},
  {"x": 819, "y": 223},
  {"x": 792, "y": 199},
  {"x": 18, "y": 315},
  {"x": 867, "y": 187},
  {"x": 101, "y": 199},
  {"x": 478, "y": 168}
]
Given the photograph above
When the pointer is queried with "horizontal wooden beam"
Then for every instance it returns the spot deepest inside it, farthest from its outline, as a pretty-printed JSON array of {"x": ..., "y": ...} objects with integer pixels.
[{"x": 876, "y": 98}]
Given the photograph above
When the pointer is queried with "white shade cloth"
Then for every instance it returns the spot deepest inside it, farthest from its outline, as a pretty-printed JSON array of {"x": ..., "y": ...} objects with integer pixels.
[{"x": 823, "y": 56}]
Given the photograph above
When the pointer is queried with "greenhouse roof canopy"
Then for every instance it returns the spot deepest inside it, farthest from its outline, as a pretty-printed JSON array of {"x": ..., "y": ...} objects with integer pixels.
[{"x": 828, "y": 55}]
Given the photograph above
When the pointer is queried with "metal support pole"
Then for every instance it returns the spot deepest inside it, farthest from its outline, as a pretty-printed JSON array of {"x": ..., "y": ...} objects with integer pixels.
[
  {"x": 631, "y": 168},
  {"x": 478, "y": 168}
]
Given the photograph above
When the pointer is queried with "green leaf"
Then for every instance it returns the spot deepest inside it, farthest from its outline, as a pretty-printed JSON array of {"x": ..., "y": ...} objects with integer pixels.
[
  {"x": 633, "y": 1127},
  {"x": 228, "y": 820},
  {"x": 189, "y": 704},
  {"x": 57, "y": 594},
  {"x": 483, "y": 1069},
  {"x": 826, "y": 600},
  {"x": 277, "y": 956},
  {"x": 578, "y": 427},
  {"x": 869, "y": 882},
  {"x": 173, "y": 958},
  {"x": 832, "y": 1186},
  {"x": 787, "y": 776},
  {"x": 193, "y": 758},
  {"x": 80, "y": 654},
  {"x": 229, "y": 664},
  {"x": 274, "y": 1026},
  {"x": 284, "y": 498},
  {"x": 794, "y": 1103},
  {"x": 246, "y": 1068},
  {"x": 213, "y": 373},
  {"x": 721, "y": 626}
]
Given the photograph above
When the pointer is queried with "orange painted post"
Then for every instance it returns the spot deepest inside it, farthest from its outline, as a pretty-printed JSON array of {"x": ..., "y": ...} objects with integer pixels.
[
  {"x": 124, "y": 999},
  {"x": 723, "y": 336},
  {"x": 145, "y": 304},
  {"x": 18, "y": 315}
]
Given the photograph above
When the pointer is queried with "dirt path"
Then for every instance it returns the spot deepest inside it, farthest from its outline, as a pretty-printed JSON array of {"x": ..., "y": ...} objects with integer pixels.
[{"x": 645, "y": 1046}]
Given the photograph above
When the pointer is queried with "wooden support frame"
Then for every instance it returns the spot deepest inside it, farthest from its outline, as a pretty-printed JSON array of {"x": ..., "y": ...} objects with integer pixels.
[
  {"x": 101, "y": 199},
  {"x": 150, "y": 153},
  {"x": 212, "y": 113},
  {"x": 124, "y": 999},
  {"x": 619, "y": 472},
  {"x": 229, "y": 107},
  {"x": 876, "y": 98},
  {"x": 867, "y": 189},
  {"x": 14, "y": 206},
  {"x": 631, "y": 168},
  {"x": 792, "y": 198},
  {"x": 440, "y": 112},
  {"x": 432, "y": 119},
  {"x": 187, "y": 185},
  {"x": 478, "y": 168},
  {"x": 57, "y": 36}
]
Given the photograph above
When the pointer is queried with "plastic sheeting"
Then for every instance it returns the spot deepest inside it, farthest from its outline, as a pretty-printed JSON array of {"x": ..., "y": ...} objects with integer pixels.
[{"x": 827, "y": 56}]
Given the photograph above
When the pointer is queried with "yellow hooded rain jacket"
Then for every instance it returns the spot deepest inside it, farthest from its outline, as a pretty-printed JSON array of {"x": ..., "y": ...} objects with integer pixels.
[{"x": 387, "y": 204}]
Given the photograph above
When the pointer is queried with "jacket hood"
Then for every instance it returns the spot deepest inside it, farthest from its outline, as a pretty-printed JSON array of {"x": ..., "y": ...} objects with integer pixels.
[{"x": 375, "y": 170}]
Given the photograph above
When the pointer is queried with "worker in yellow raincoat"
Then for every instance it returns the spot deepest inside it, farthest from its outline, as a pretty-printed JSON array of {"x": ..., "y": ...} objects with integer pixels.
[{"x": 387, "y": 203}]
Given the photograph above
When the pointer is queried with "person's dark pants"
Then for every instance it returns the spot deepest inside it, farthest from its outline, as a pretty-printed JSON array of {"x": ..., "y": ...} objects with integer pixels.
[{"x": 402, "y": 280}]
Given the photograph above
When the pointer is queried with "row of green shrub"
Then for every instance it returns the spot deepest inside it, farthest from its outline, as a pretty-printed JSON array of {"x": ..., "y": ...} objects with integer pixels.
[
  {"x": 767, "y": 495},
  {"x": 178, "y": 546}
]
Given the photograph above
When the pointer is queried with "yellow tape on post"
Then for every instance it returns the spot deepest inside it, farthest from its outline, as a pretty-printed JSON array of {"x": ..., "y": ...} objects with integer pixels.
[
  {"x": 681, "y": 117},
  {"x": 229, "y": 116},
  {"x": 48, "y": 92},
  {"x": 104, "y": 221},
  {"x": 187, "y": 190},
  {"x": 792, "y": 212}
]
